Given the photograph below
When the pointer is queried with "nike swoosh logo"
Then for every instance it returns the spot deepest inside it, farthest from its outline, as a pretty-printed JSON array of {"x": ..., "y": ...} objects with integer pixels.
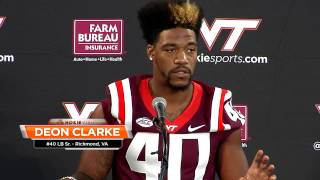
[{"x": 191, "y": 129}]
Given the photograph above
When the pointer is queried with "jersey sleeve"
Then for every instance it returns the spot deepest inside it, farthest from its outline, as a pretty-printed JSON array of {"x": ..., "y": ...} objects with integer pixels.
[
  {"x": 224, "y": 117},
  {"x": 106, "y": 105},
  {"x": 232, "y": 118}
]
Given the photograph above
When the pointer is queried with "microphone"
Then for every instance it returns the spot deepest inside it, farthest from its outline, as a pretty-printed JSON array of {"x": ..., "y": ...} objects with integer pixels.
[{"x": 159, "y": 104}]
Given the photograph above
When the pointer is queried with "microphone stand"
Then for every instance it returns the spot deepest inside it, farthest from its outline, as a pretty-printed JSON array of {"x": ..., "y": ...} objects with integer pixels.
[{"x": 160, "y": 124}]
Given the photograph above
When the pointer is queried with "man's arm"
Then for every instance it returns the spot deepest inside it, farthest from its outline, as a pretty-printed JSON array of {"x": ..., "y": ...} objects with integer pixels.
[
  {"x": 232, "y": 162},
  {"x": 94, "y": 164}
]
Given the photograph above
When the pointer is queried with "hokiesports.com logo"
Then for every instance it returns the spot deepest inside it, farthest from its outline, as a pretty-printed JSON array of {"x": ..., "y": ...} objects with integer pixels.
[
  {"x": 237, "y": 26},
  {"x": 98, "y": 38},
  {"x": 6, "y": 57}
]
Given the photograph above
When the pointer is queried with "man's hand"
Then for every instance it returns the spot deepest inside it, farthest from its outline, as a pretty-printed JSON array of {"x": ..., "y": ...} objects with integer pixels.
[{"x": 260, "y": 168}]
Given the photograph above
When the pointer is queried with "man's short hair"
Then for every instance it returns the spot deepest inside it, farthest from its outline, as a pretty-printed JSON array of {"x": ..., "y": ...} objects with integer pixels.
[{"x": 160, "y": 15}]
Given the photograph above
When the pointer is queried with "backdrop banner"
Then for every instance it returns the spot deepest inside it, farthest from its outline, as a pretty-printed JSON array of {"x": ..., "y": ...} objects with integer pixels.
[{"x": 265, "y": 52}]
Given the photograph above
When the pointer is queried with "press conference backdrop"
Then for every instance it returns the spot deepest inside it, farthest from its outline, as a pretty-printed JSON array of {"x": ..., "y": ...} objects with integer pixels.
[{"x": 276, "y": 78}]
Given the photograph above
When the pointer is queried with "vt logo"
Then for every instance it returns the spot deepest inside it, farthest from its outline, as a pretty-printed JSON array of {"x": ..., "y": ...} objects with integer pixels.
[
  {"x": 237, "y": 27},
  {"x": 79, "y": 117}
]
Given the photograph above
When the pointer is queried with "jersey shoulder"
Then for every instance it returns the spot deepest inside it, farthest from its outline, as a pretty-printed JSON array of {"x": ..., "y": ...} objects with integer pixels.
[
  {"x": 119, "y": 98},
  {"x": 223, "y": 116}
]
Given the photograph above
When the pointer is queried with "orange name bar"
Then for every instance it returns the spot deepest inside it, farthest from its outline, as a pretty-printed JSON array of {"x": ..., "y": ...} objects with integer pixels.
[{"x": 73, "y": 132}]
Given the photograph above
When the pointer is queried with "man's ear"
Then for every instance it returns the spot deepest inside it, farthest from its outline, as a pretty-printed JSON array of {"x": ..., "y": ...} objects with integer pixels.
[{"x": 150, "y": 51}]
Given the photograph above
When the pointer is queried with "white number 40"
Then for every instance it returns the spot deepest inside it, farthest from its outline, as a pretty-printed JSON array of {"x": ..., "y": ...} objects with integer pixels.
[{"x": 151, "y": 165}]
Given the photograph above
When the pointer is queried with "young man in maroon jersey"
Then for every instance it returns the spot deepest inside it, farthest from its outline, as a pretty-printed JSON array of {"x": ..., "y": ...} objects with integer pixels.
[{"x": 203, "y": 127}]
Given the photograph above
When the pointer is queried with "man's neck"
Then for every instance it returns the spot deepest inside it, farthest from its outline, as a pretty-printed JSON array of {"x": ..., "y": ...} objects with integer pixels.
[
  {"x": 170, "y": 94},
  {"x": 177, "y": 100}
]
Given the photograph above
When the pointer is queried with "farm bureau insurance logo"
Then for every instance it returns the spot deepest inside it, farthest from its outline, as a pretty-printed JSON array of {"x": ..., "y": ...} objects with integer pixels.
[
  {"x": 5, "y": 57},
  {"x": 243, "y": 109},
  {"x": 98, "y": 38},
  {"x": 211, "y": 33}
]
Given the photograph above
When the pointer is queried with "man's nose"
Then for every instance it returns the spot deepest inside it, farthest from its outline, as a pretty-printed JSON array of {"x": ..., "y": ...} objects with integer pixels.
[{"x": 181, "y": 58}]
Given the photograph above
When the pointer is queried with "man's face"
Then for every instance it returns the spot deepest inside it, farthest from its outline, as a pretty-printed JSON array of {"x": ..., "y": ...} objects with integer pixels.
[{"x": 174, "y": 57}]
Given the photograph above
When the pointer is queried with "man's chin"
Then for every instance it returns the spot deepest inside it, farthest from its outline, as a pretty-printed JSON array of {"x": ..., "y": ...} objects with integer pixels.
[{"x": 180, "y": 84}]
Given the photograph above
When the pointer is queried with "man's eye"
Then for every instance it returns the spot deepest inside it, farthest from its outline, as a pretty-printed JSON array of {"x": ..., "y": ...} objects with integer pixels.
[
  {"x": 170, "y": 50},
  {"x": 191, "y": 50}
]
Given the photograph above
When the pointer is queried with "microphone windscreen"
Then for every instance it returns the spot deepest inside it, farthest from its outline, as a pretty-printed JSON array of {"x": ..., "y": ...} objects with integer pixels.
[{"x": 158, "y": 100}]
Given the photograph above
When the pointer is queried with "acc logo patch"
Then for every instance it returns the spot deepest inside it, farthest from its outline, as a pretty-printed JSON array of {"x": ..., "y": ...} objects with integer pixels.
[{"x": 144, "y": 122}]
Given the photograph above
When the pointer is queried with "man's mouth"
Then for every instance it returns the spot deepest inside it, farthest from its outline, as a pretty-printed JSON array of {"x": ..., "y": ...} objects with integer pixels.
[{"x": 181, "y": 72}]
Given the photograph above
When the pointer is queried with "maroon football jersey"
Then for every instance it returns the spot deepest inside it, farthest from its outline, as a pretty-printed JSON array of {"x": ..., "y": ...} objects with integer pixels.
[{"x": 194, "y": 136}]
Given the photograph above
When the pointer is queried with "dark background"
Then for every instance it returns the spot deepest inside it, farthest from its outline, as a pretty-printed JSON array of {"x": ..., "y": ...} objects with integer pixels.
[{"x": 280, "y": 95}]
